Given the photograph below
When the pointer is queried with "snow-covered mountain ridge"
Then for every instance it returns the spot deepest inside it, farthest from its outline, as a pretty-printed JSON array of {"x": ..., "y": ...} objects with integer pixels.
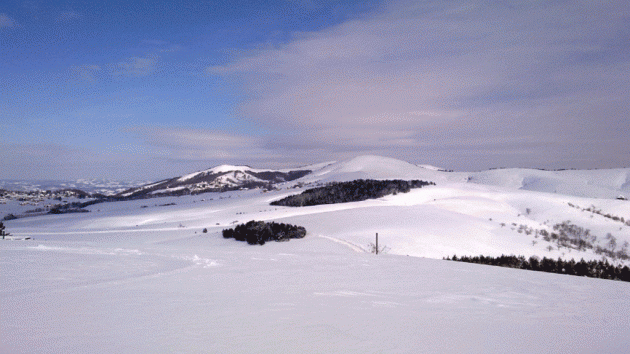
[
  {"x": 220, "y": 178},
  {"x": 605, "y": 183},
  {"x": 598, "y": 183}
]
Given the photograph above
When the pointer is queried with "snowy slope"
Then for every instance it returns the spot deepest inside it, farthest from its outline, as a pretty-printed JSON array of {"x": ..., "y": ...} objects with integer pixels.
[
  {"x": 609, "y": 183},
  {"x": 140, "y": 276},
  {"x": 314, "y": 296}
]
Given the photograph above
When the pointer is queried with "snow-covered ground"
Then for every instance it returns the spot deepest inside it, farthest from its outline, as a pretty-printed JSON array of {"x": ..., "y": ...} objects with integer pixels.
[{"x": 140, "y": 276}]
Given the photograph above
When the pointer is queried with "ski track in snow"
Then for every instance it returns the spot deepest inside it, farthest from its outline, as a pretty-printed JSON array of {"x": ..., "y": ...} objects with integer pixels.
[{"x": 349, "y": 244}]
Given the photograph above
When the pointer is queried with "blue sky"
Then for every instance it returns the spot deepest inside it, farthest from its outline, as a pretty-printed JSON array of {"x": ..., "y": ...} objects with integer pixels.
[{"x": 153, "y": 89}]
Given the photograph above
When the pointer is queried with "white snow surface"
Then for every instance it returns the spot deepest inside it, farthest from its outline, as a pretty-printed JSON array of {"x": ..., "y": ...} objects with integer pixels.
[{"x": 140, "y": 276}]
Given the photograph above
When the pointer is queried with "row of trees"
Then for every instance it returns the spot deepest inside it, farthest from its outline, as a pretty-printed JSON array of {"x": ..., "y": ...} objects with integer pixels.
[
  {"x": 354, "y": 191},
  {"x": 259, "y": 232},
  {"x": 593, "y": 209},
  {"x": 591, "y": 269}
]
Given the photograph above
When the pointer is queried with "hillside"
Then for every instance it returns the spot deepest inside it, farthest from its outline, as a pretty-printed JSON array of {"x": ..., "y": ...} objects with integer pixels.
[
  {"x": 603, "y": 183},
  {"x": 146, "y": 263}
]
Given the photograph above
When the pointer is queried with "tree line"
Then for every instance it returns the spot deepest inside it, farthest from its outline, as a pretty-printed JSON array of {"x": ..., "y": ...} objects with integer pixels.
[
  {"x": 353, "y": 191},
  {"x": 592, "y": 269}
]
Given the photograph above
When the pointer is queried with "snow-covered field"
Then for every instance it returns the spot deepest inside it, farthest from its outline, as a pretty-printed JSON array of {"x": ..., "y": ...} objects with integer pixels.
[{"x": 140, "y": 276}]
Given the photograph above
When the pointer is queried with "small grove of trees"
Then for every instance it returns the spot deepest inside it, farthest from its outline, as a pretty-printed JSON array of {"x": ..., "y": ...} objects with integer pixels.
[
  {"x": 353, "y": 191},
  {"x": 591, "y": 269},
  {"x": 571, "y": 236},
  {"x": 74, "y": 207},
  {"x": 259, "y": 232}
]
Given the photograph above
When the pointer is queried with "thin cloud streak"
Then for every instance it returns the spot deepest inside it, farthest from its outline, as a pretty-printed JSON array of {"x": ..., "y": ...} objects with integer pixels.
[{"x": 186, "y": 144}]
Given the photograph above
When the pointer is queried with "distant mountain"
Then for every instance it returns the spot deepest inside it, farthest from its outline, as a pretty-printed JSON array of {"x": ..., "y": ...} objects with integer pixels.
[
  {"x": 217, "y": 179},
  {"x": 605, "y": 183},
  {"x": 596, "y": 183},
  {"x": 90, "y": 186}
]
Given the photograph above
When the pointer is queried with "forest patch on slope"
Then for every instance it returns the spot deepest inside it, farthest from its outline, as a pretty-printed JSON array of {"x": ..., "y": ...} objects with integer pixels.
[{"x": 353, "y": 191}]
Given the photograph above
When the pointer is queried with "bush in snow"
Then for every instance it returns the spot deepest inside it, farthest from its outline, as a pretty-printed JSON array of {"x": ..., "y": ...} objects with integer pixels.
[
  {"x": 10, "y": 217},
  {"x": 381, "y": 249},
  {"x": 259, "y": 232}
]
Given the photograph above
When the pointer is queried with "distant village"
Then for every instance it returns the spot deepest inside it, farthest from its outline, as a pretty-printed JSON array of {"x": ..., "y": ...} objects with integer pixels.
[{"x": 36, "y": 197}]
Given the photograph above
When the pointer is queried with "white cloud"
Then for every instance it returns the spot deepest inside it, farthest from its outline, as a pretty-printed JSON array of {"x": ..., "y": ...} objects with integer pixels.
[
  {"x": 433, "y": 73},
  {"x": 136, "y": 66},
  {"x": 6, "y": 21}
]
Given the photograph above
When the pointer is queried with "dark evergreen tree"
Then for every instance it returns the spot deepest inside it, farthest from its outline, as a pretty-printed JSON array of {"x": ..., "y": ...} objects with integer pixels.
[
  {"x": 534, "y": 263},
  {"x": 569, "y": 267}
]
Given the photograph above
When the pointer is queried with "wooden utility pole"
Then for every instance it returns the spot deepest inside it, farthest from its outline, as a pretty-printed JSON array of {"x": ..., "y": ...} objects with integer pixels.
[{"x": 377, "y": 243}]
